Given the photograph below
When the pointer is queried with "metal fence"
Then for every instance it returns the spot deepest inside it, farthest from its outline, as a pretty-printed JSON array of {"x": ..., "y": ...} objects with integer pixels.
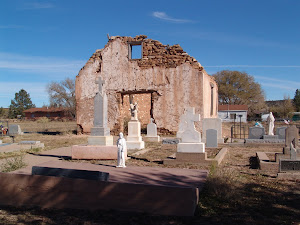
[{"x": 239, "y": 131}]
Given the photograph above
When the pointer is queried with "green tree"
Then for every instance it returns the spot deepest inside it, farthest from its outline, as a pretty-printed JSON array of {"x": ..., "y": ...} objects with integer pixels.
[
  {"x": 21, "y": 102},
  {"x": 62, "y": 94},
  {"x": 239, "y": 88},
  {"x": 297, "y": 100}
]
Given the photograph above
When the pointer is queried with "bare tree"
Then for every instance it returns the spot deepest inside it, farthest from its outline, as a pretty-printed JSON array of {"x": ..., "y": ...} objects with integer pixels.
[{"x": 62, "y": 94}]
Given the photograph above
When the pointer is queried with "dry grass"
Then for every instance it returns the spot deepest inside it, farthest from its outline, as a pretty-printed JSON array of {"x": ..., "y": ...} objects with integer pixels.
[
  {"x": 44, "y": 125},
  {"x": 234, "y": 193}
]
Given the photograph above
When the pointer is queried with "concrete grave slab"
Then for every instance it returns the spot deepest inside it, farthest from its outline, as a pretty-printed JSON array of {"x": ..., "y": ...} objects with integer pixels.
[{"x": 163, "y": 191}]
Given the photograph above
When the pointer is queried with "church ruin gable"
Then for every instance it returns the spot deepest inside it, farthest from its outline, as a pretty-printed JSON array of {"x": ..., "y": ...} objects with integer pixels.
[{"x": 172, "y": 79}]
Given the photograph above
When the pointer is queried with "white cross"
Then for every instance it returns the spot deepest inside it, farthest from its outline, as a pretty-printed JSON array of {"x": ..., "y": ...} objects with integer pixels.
[{"x": 100, "y": 82}]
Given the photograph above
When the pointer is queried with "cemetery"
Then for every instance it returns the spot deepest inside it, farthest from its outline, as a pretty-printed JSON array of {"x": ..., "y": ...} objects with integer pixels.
[{"x": 190, "y": 173}]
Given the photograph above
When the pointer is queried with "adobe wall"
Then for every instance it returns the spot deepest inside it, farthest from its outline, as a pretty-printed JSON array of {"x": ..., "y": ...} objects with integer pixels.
[{"x": 174, "y": 79}]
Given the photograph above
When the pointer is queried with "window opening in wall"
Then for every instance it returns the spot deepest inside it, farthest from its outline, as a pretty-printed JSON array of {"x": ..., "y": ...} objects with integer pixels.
[{"x": 135, "y": 50}]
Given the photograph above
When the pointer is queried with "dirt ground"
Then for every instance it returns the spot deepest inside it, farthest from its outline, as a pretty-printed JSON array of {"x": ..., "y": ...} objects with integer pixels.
[{"x": 236, "y": 192}]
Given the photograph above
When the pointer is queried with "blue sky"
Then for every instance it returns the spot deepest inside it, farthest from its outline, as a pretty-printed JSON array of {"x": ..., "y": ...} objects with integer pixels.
[{"x": 48, "y": 40}]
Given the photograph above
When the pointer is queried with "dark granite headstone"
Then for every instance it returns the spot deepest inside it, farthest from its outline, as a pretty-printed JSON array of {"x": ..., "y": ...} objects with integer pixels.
[
  {"x": 280, "y": 131},
  {"x": 256, "y": 132},
  {"x": 174, "y": 141},
  {"x": 70, "y": 173},
  {"x": 211, "y": 138},
  {"x": 288, "y": 165},
  {"x": 291, "y": 133},
  {"x": 29, "y": 142}
]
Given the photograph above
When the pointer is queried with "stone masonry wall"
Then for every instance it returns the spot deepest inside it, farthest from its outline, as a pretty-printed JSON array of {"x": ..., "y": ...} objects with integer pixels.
[{"x": 172, "y": 78}]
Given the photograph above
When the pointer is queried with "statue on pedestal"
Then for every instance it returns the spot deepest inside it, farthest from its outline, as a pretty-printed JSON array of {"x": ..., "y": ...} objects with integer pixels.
[
  {"x": 133, "y": 111},
  {"x": 271, "y": 121}
]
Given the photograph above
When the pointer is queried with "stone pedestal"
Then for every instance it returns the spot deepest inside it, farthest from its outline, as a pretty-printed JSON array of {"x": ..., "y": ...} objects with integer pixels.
[
  {"x": 100, "y": 140},
  {"x": 152, "y": 139},
  {"x": 134, "y": 138},
  {"x": 191, "y": 147},
  {"x": 268, "y": 137}
]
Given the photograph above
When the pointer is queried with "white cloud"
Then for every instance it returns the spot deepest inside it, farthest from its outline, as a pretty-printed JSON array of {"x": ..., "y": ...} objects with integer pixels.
[
  {"x": 11, "y": 27},
  {"x": 36, "y": 5},
  {"x": 36, "y": 64},
  {"x": 164, "y": 16},
  {"x": 277, "y": 83}
]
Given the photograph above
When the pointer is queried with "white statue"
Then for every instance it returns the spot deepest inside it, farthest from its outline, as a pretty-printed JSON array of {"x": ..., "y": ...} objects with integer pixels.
[
  {"x": 122, "y": 149},
  {"x": 271, "y": 121},
  {"x": 133, "y": 111}
]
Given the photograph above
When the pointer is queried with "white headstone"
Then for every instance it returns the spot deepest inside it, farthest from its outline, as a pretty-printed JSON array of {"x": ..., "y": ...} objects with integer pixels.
[
  {"x": 187, "y": 131},
  {"x": 190, "y": 138},
  {"x": 152, "y": 132}
]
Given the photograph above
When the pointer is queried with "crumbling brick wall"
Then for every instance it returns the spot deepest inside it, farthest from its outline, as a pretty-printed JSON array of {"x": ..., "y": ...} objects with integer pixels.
[{"x": 174, "y": 80}]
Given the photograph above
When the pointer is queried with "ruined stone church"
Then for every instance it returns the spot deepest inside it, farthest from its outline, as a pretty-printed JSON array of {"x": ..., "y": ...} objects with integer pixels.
[{"x": 162, "y": 79}]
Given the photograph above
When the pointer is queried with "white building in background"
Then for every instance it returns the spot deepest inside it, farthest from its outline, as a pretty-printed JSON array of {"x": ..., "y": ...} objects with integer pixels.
[{"x": 231, "y": 113}]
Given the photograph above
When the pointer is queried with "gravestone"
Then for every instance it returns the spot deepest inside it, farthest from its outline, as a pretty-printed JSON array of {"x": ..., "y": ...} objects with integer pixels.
[
  {"x": 293, "y": 152},
  {"x": 70, "y": 173},
  {"x": 190, "y": 138},
  {"x": 291, "y": 133},
  {"x": 211, "y": 138},
  {"x": 152, "y": 132},
  {"x": 212, "y": 123},
  {"x": 100, "y": 143},
  {"x": 280, "y": 132},
  {"x": 134, "y": 138},
  {"x": 14, "y": 129},
  {"x": 289, "y": 165},
  {"x": 100, "y": 133},
  {"x": 29, "y": 142},
  {"x": 256, "y": 132},
  {"x": 169, "y": 141}
]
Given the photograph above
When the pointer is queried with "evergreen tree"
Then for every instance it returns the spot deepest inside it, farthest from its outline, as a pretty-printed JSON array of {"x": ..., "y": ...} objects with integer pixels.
[
  {"x": 297, "y": 100},
  {"x": 20, "y": 103}
]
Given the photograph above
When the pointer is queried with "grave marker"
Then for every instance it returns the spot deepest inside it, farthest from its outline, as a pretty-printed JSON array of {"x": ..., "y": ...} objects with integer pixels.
[{"x": 211, "y": 138}]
